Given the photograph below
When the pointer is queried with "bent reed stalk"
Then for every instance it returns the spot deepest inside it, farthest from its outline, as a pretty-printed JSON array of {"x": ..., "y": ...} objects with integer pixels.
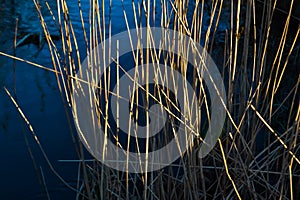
[{"x": 257, "y": 156}]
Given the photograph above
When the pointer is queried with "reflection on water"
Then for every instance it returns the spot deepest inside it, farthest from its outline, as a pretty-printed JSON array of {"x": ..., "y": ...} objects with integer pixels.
[{"x": 28, "y": 22}]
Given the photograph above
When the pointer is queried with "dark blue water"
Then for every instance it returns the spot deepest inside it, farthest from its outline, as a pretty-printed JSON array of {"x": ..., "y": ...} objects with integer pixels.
[{"x": 40, "y": 100}]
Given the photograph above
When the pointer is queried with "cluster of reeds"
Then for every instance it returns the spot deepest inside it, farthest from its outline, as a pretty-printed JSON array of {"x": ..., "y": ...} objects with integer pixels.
[{"x": 257, "y": 155}]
